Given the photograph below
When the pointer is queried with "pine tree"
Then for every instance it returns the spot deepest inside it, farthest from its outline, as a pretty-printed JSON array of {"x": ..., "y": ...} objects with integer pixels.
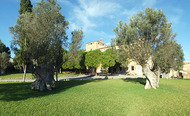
[
  {"x": 22, "y": 58},
  {"x": 25, "y": 6}
]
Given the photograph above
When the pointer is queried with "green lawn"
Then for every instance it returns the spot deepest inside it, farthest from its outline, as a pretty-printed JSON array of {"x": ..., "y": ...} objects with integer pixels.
[
  {"x": 15, "y": 76},
  {"x": 29, "y": 76},
  {"x": 114, "y": 97}
]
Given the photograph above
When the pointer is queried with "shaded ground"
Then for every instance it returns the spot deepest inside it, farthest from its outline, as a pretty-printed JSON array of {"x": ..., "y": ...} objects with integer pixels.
[
  {"x": 136, "y": 81},
  {"x": 21, "y": 91}
]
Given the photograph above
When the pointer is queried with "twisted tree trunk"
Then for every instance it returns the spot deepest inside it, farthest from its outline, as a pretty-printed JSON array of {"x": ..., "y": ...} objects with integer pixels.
[
  {"x": 44, "y": 78},
  {"x": 158, "y": 73},
  {"x": 151, "y": 78}
]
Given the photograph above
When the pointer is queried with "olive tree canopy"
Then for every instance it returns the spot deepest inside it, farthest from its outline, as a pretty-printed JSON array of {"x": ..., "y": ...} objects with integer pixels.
[
  {"x": 44, "y": 34},
  {"x": 148, "y": 39}
]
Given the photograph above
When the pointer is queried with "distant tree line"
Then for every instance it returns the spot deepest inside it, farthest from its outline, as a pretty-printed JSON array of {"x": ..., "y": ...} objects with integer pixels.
[{"x": 91, "y": 59}]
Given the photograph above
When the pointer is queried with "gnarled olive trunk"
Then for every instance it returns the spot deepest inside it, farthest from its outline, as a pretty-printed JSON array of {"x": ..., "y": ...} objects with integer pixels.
[
  {"x": 151, "y": 78},
  {"x": 158, "y": 73},
  {"x": 44, "y": 78}
]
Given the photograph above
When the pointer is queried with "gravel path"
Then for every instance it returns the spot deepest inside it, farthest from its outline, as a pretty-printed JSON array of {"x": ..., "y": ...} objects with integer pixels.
[{"x": 82, "y": 77}]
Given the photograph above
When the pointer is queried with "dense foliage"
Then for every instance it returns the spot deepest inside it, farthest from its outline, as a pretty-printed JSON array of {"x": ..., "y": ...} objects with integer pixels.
[
  {"x": 93, "y": 58},
  {"x": 108, "y": 59},
  {"x": 25, "y": 6},
  {"x": 4, "y": 48},
  {"x": 76, "y": 62},
  {"x": 22, "y": 56},
  {"x": 43, "y": 32},
  {"x": 148, "y": 40},
  {"x": 4, "y": 57},
  {"x": 74, "y": 58},
  {"x": 4, "y": 61}
]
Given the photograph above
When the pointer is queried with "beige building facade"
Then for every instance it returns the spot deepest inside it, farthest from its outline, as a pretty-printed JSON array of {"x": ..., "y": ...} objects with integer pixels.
[
  {"x": 186, "y": 70},
  {"x": 134, "y": 69},
  {"x": 95, "y": 45}
]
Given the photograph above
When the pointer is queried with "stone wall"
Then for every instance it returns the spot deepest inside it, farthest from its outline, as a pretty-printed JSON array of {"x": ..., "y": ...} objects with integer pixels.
[
  {"x": 186, "y": 70},
  {"x": 134, "y": 69}
]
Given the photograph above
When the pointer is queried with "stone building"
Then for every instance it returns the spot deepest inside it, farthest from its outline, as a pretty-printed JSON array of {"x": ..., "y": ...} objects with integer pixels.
[
  {"x": 186, "y": 70},
  {"x": 184, "y": 73},
  {"x": 95, "y": 45}
]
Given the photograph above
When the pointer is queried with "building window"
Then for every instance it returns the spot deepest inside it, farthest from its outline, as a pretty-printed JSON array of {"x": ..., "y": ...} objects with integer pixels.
[{"x": 132, "y": 68}]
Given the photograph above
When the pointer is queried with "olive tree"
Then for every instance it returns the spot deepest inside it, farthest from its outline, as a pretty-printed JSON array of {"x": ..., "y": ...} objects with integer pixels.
[
  {"x": 45, "y": 32},
  {"x": 148, "y": 39}
]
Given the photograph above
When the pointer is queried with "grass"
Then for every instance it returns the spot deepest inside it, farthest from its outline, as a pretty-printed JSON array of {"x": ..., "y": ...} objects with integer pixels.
[
  {"x": 15, "y": 76},
  {"x": 29, "y": 75},
  {"x": 114, "y": 97}
]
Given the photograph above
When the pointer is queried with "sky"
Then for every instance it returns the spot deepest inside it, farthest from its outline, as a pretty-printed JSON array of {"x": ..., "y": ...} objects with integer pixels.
[{"x": 97, "y": 18}]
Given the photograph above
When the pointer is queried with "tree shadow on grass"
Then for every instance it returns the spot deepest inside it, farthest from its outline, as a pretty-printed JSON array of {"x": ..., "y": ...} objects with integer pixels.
[
  {"x": 22, "y": 91},
  {"x": 136, "y": 80}
]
